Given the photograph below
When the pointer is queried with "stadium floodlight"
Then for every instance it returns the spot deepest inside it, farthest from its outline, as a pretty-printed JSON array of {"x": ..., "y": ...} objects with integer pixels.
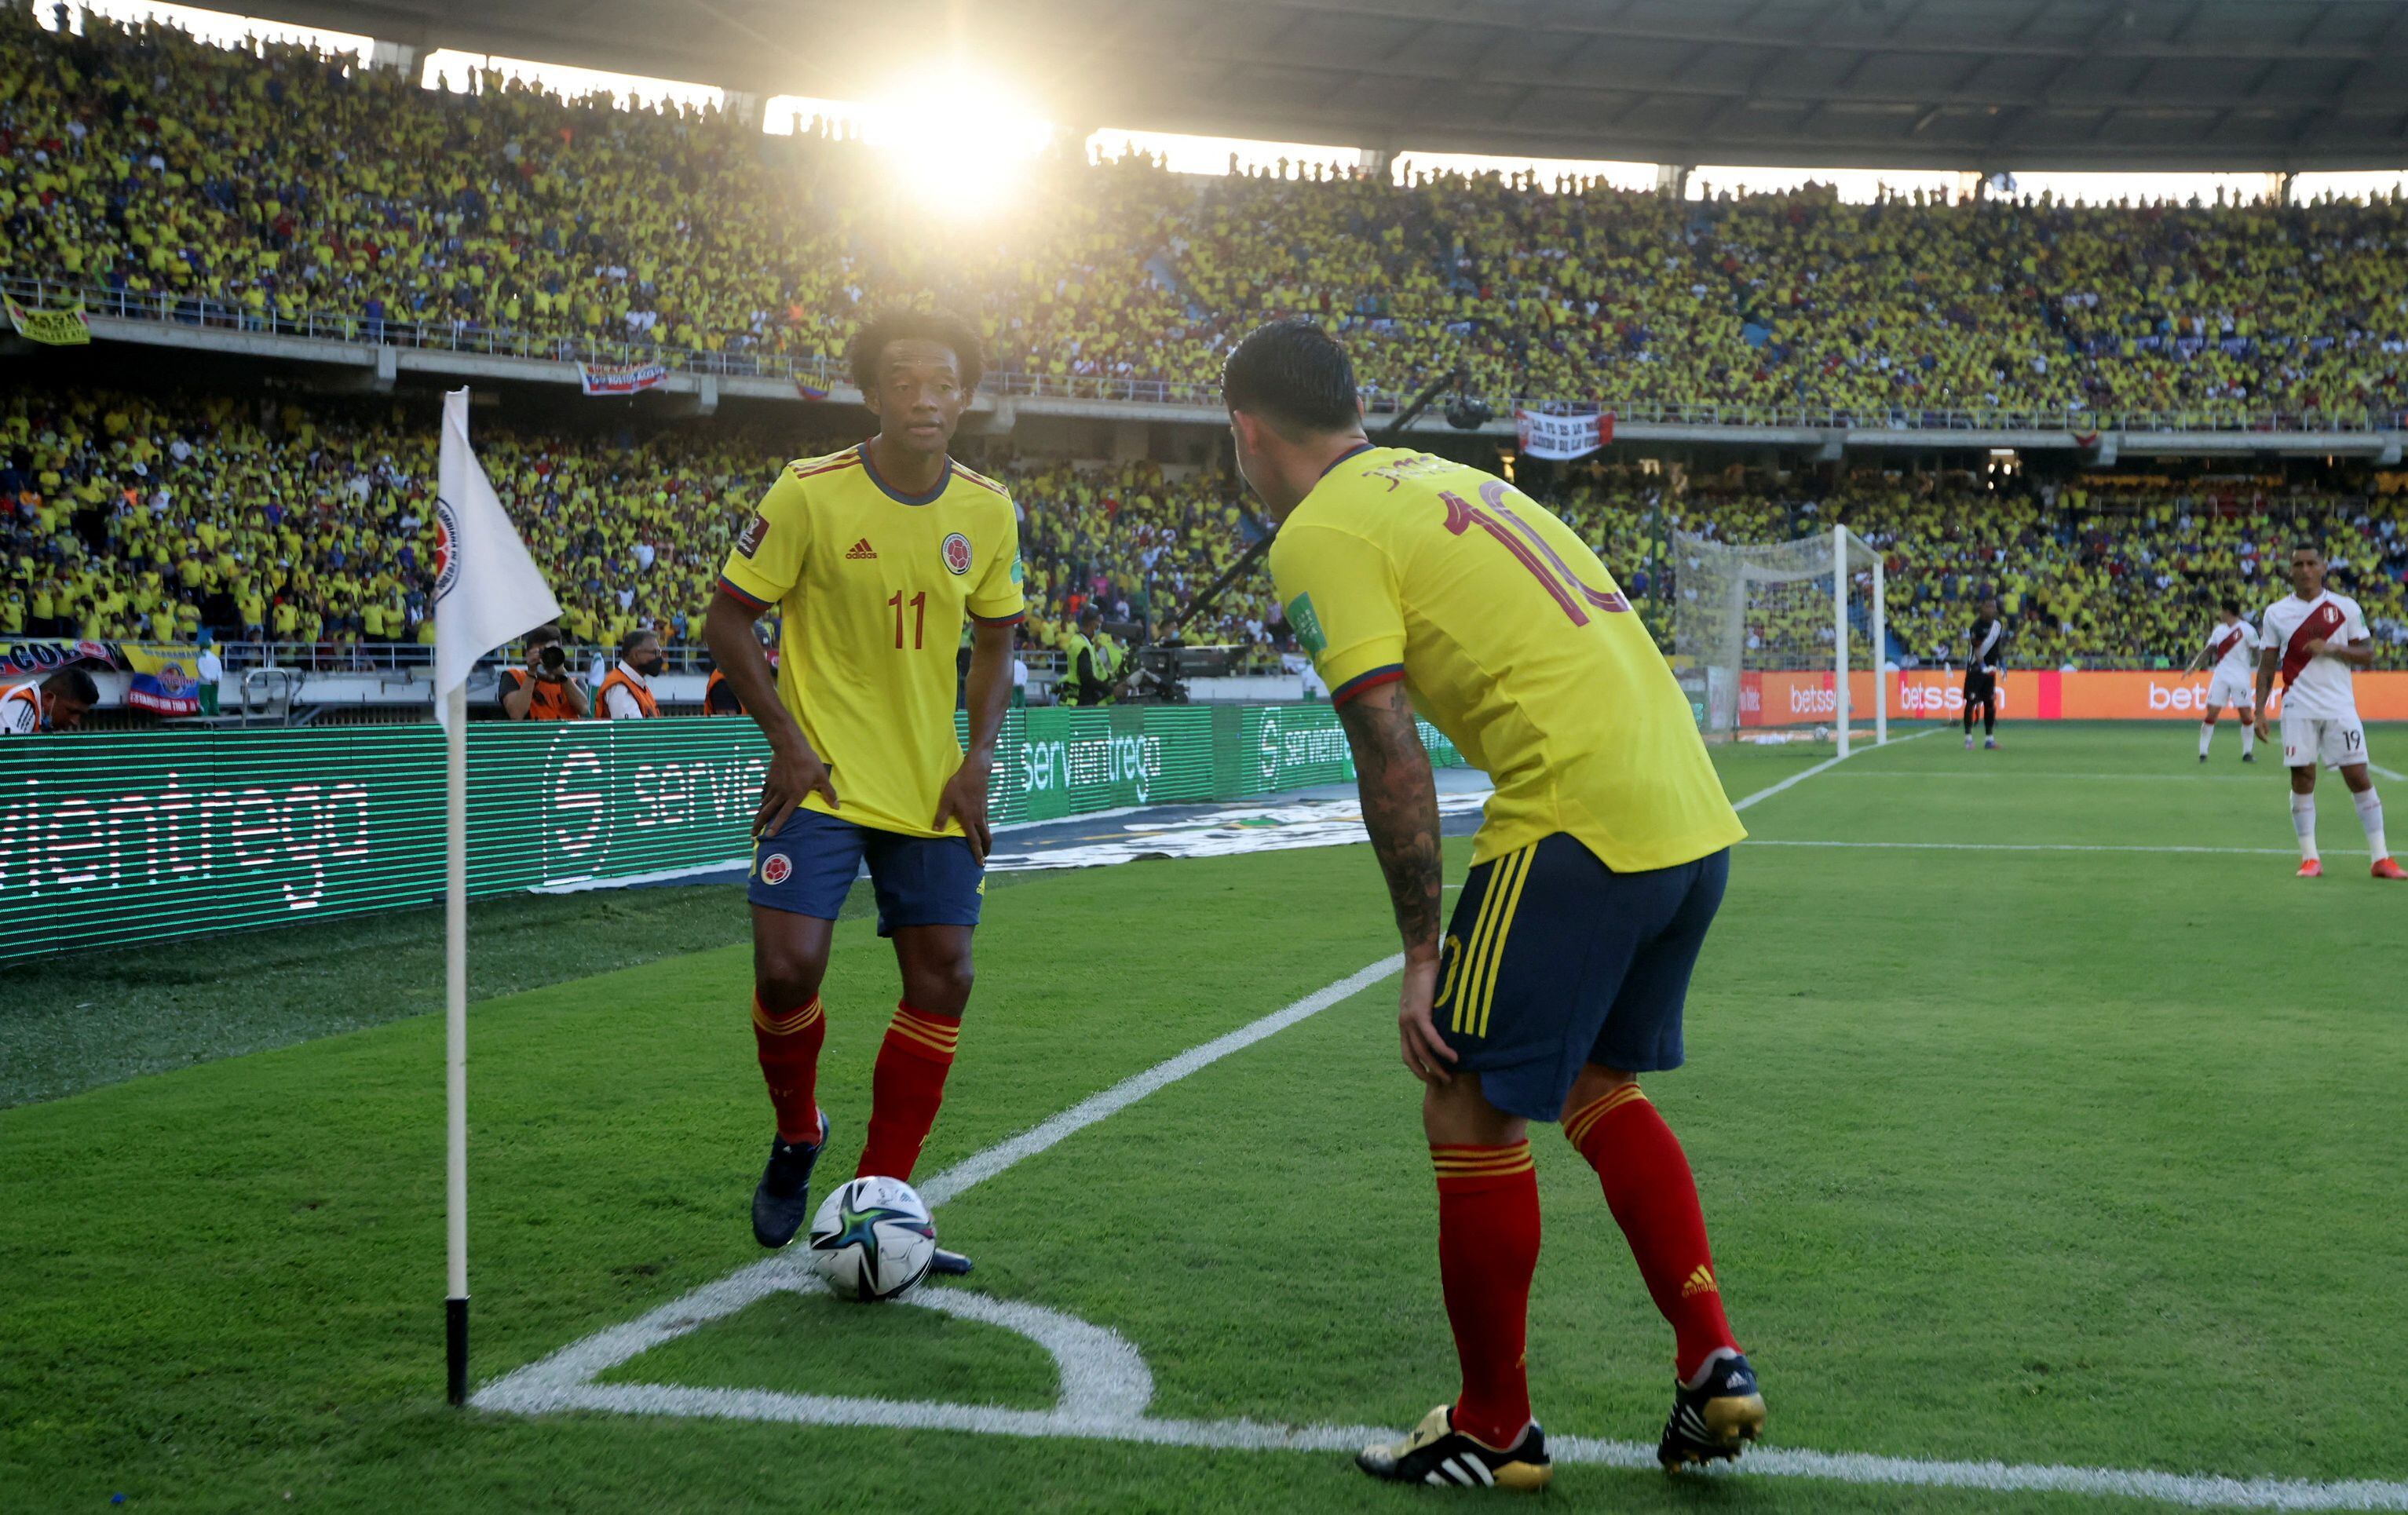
[{"x": 1754, "y": 625}]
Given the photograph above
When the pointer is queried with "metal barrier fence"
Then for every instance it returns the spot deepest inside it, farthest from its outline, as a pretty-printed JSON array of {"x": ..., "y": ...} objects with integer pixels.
[
  {"x": 111, "y": 838},
  {"x": 827, "y": 373}
]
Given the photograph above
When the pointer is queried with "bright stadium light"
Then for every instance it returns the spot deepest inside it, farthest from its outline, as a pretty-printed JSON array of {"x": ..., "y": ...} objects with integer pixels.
[{"x": 960, "y": 141}]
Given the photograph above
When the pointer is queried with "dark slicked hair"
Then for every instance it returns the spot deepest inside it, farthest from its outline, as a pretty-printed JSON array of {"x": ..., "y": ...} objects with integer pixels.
[
  {"x": 2231, "y": 606},
  {"x": 941, "y": 327},
  {"x": 1294, "y": 374},
  {"x": 2318, "y": 547},
  {"x": 75, "y": 684},
  {"x": 550, "y": 633}
]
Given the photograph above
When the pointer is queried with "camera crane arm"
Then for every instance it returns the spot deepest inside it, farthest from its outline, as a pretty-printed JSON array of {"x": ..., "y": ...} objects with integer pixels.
[{"x": 1388, "y": 436}]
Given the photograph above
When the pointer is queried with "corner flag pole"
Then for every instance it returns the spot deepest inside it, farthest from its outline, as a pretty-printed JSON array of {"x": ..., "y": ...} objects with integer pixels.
[
  {"x": 455, "y": 1016},
  {"x": 487, "y": 592}
]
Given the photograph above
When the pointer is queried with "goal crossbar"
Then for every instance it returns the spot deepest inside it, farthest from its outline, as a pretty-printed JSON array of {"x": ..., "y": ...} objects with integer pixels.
[{"x": 1748, "y": 609}]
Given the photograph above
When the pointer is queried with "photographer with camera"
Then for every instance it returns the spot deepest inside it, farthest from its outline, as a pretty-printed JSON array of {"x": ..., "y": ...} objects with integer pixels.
[{"x": 544, "y": 690}]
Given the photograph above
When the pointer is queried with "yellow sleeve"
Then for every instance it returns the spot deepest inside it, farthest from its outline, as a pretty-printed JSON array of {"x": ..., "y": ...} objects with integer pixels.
[
  {"x": 768, "y": 559},
  {"x": 997, "y": 599},
  {"x": 1343, "y": 605}
]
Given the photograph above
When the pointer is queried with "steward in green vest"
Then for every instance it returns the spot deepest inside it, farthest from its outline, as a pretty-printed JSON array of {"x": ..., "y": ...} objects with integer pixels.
[{"x": 1090, "y": 661}]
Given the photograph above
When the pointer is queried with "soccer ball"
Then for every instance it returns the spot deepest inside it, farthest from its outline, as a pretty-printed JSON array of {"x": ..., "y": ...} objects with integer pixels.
[
  {"x": 872, "y": 1239},
  {"x": 1821, "y": 733}
]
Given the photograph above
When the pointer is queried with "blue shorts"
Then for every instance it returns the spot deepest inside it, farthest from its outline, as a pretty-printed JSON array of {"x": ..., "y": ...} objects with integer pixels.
[
  {"x": 807, "y": 865},
  {"x": 1569, "y": 963}
]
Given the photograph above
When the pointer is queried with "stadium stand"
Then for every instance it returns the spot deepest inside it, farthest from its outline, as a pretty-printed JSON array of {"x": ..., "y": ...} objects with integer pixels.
[
  {"x": 167, "y": 174},
  {"x": 138, "y": 517}
]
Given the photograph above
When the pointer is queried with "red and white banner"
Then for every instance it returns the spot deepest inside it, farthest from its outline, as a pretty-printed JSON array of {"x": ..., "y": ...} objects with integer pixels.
[
  {"x": 621, "y": 377},
  {"x": 1562, "y": 438},
  {"x": 1792, "y": 699}
]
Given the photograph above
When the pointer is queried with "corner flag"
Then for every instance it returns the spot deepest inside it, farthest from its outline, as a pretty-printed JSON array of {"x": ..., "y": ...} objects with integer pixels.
[{"x": 487, "y": 591}]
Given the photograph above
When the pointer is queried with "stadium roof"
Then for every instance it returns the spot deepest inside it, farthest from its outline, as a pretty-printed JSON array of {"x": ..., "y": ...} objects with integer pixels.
[{"x": 2026, "y": 84}]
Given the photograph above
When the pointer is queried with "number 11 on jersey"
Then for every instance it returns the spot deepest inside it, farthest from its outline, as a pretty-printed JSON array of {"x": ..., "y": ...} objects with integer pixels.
[{"x": 919, "y": 604}]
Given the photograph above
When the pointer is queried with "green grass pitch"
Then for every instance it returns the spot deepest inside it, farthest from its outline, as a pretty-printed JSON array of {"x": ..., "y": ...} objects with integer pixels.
[{"x": 2023, "y": 1136}]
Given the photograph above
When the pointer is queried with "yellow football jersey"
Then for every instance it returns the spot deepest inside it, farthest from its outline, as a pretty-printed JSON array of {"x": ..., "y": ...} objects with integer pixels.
[
  {"x": 873, "y": 585},
  {"x": 1513, "y": 640}
]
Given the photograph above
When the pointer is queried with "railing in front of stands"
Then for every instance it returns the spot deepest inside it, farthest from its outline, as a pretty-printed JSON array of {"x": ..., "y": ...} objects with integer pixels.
[
  {"x": 824, "y": 372},
  {"x": 405, "y": 657}
]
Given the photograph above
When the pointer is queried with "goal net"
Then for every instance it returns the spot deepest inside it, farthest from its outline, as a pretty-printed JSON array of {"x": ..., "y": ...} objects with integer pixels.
[{"x": 1767, "y": 635}]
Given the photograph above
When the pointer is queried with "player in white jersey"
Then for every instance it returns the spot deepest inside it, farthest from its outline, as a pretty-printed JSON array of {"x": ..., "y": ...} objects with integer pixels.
[
  {"x": 2231, "y": 651},
  {"x": 2315, "y": 637},
  {"x": 56, "y": 703}
]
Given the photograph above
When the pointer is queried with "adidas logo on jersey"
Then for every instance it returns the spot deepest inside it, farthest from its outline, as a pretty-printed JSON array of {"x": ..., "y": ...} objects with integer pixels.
[
  {"x": 861, "y": 550},
  {"x": 1699, "y": 1282}
]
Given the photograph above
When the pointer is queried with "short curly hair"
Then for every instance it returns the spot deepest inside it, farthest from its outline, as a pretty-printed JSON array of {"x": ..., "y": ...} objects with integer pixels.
[{"x": 941, "y": 327}]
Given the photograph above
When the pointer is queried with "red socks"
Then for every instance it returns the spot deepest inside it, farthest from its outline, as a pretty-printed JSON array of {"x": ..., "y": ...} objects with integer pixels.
[
  {"x": 906, "y": 1090},
  {"x": 790, "y": 1064},
  {"x": 1655, "y": 1200},
  {"x": 1487, "y": 1249}
]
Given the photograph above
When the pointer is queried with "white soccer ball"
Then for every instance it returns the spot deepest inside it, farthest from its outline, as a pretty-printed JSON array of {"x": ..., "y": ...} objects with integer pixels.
[
  {"x": 1821, "y": 733},
  {"x": 872, "y": 1239}
]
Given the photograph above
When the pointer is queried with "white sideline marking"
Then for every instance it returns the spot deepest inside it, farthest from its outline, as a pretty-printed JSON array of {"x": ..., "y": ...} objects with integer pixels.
[
  {"x": 1106, "y": 1386},
  {"x": 2025, "y": 846},
  {"x": 1826, "y": 765},
  {"x": 2382, "y": 772},
  {"x": 2267, "y": 771}
]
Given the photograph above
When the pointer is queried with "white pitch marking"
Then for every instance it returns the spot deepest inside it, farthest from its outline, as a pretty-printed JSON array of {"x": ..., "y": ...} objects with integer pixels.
[
  {"x": 1824, "y": 767},
  {"x": 1120, "y": 1096},
  {"x": 2024, "y": 846},
  {"x": 2382, "y": 772},
  {"x": 1106, "y": 1385},
  {"x": 540, "y": 1384},
  {"x": 2168, "y": 775}
]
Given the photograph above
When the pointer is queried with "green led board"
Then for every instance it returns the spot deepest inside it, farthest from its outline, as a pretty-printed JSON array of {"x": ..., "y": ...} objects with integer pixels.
[{"x": 145, "y": 836}]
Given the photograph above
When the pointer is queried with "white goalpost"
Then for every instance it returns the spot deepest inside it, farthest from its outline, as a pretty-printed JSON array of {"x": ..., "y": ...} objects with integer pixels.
[{"x": 1742, "y": 611}]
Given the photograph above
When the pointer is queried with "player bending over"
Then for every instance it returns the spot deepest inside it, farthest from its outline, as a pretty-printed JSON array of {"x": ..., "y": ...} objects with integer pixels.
[
  {"x": 1413, "y": 581},
  {"x": 1988, "y": 639},
  {"x": 2316, "y": 637},
  {"x": 2232, "y": 647},
  {"x": 872, "y": 557}
]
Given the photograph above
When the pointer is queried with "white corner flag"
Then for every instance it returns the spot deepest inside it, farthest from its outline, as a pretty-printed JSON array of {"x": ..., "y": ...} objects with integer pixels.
[{"x": 487, "y": 591}]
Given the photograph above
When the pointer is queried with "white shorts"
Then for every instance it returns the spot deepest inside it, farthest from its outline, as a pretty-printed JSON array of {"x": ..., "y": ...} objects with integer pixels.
[
  {"x": 2236, "y": 692},
  {"x": 2335, "y": 741}
]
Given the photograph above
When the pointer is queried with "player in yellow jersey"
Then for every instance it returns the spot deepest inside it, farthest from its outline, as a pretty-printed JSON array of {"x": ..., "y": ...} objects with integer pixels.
[
  {"x": 872, "y": 558},
  {"x": 1419, "y": 583}
]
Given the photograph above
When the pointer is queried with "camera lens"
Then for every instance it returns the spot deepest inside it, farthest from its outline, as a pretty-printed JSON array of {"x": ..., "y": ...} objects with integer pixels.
[{"x": 554, "y": 659}]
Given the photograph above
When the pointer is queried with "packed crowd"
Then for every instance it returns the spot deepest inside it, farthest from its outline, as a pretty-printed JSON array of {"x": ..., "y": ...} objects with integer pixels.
[
  {"x": 2123, "y": 572},
  {"x": 153, "y": 518},
  {"x": 141, "y": 163},
  {"x": 135, "y": 518}
]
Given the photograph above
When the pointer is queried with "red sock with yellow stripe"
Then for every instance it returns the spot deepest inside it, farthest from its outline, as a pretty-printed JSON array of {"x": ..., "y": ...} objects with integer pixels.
[
  {"x": 789, "y": 1045},
  {"x": 1654, "y": 1197},
  {"x": 906, "y": 1090},
  {"x": 1487, "y": 1249}
]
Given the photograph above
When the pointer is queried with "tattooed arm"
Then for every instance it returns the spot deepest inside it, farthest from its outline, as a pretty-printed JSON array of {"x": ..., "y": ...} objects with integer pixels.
[{"x": 1400, "y": 811}]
